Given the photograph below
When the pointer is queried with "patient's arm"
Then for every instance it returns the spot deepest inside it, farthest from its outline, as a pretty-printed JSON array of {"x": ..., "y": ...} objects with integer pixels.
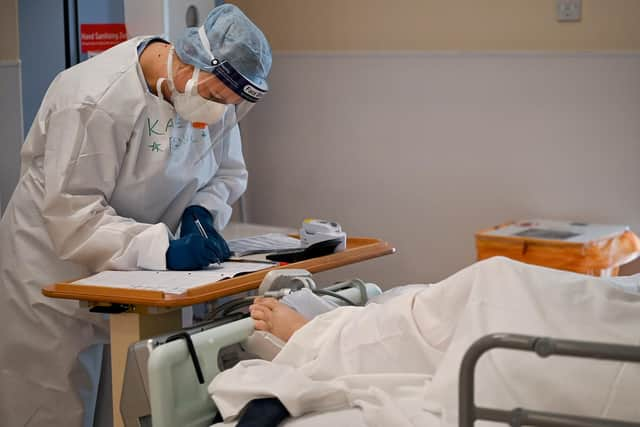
[{"x": 272, "y": 316}]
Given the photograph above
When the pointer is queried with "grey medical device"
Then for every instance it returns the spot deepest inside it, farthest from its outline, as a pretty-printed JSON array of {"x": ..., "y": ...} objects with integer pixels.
[
  {"x": 134, "y": 400},
  {"x": 181, "y": 371}
]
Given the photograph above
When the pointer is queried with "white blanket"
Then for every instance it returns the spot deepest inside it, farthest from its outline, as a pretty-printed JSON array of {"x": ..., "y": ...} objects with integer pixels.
[{"x": 398, "y": 362}]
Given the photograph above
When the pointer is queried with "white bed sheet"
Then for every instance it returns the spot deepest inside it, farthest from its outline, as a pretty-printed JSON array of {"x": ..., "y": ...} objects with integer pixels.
[
  {"x": 351, "y": 417},
  {"x": 399, "y": 361}
]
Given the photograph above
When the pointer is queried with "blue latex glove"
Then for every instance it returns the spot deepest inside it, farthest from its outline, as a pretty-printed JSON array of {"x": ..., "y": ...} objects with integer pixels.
[
  {"x": 189, "y": 227},
  {"x": 192, "y": 252}
]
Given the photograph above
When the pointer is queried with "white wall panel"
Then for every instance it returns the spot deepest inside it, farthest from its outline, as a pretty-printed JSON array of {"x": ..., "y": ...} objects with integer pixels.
[{"x": 424, "y": 149}]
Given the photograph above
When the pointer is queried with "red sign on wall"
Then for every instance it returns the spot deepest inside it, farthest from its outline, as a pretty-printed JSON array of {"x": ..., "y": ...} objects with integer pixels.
[{"x": 99, "y": 37}]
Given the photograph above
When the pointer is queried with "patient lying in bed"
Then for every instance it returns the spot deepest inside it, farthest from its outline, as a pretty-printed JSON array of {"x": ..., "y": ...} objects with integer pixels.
[{"x": 397, "y": 363}]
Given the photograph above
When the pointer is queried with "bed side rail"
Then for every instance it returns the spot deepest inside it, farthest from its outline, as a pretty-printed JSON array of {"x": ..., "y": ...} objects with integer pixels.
[{"x": 543, "y": 347}]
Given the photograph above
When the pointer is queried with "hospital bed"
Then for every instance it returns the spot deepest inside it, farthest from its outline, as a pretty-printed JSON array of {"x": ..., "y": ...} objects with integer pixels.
[
  {"x": 543, "y": 347},
  {"x": 181, "y": 366},
  {"x": 166, "y": 377}
]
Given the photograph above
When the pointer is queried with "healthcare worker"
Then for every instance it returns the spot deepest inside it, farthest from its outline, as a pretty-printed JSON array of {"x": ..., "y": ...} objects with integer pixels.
[{"x": 127, "y": 150}]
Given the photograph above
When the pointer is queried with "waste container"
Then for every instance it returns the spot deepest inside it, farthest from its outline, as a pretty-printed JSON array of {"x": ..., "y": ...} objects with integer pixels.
[{"x": 596, "y": 249}]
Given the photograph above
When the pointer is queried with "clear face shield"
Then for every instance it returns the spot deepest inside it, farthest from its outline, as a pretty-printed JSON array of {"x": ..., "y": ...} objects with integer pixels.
[
  {"x": 203, "y": 99},
  {"x": 216, "y": 96}
]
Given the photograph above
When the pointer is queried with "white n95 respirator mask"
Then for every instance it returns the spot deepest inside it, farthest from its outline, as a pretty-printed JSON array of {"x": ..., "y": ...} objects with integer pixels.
[{"x": 190, "y": 105}]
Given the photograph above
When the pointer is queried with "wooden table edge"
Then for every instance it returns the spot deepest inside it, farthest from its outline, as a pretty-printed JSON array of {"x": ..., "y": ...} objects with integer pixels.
[{"x": 368, "y": 248}]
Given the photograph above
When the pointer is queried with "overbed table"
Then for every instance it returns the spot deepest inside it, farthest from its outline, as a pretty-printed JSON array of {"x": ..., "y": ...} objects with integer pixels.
[{"x": 146, "y": 313}]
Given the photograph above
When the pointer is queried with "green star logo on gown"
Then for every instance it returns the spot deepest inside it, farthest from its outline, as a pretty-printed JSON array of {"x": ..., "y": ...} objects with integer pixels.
[{"x": 155, "y": 147}]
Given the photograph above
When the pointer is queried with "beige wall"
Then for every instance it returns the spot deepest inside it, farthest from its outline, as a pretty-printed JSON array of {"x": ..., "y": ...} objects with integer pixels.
[
  {"x": 9, "y": 30},
  {"x": 468, "y": 25},
  {"x": 464, "y": 141}
]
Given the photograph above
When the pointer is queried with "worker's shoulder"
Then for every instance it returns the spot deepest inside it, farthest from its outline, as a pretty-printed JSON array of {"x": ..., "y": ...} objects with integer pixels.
[{"x": 110, "y": 81}]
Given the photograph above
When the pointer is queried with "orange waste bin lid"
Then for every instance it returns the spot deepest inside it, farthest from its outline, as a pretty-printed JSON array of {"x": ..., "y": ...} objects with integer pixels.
[{"x": 597, "y": 249}]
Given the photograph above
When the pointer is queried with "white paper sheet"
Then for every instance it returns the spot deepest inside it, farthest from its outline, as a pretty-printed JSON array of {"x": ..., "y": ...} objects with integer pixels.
[{"x": 174, "y": 282}]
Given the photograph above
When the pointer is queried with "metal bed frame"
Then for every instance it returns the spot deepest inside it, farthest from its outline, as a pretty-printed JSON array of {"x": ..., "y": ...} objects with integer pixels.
[{"x": 544, "y": 347}]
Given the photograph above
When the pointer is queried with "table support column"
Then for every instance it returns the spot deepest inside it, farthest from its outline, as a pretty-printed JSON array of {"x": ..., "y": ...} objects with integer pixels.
[{"x": 124, "y": 330}]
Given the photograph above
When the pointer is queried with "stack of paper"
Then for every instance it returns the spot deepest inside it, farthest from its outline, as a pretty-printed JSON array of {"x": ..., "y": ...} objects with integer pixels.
[
  {"x": 262, "y": 244},
  {"x": 174, "y": 282}
]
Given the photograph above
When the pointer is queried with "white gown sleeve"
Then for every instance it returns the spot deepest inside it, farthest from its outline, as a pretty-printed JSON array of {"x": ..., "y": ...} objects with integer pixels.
[
  {"x": 228, "y": 183},
  {"x": 84, "y": 151}
]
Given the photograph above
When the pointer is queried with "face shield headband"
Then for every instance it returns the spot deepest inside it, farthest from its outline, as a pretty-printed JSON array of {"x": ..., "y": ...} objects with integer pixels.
[
  {"x": 227, "y": 74},
  {"x": 226, "y": 120}
]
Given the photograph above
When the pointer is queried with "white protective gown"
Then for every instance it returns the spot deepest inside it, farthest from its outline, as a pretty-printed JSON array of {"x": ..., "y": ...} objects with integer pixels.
[
  {"x": 107, "y": 170},
  {"x": 398, "y": 362}
]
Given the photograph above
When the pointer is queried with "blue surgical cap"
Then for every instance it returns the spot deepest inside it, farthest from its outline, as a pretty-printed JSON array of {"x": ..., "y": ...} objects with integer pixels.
[{"x": 239, "y": 52}]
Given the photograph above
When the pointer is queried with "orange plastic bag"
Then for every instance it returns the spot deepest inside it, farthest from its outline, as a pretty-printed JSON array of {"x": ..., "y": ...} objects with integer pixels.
[{"x": 594, "y": 249}]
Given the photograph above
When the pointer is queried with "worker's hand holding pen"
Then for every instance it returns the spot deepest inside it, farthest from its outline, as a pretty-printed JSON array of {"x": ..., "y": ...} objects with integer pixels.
[{"x": 200, "y": 244}]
